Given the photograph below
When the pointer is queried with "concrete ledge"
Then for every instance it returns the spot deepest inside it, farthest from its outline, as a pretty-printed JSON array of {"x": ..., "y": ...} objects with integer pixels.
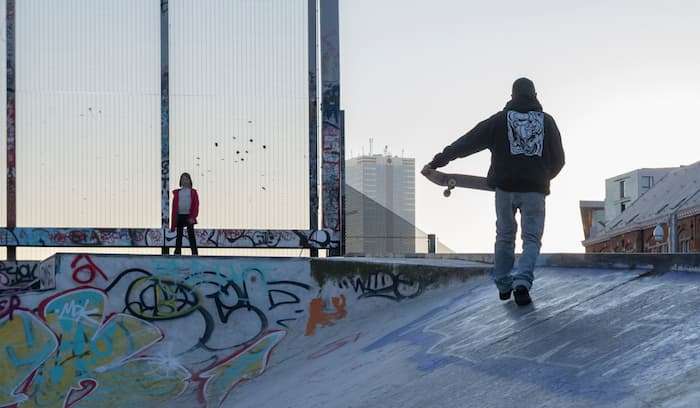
[
  {"x": 657, "y": 262},
  {"x": 432, "y": 272}
]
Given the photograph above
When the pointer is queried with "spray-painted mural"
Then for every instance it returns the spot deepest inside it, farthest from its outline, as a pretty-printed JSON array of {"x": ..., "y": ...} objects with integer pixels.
[{"x": 170, "y": 332}]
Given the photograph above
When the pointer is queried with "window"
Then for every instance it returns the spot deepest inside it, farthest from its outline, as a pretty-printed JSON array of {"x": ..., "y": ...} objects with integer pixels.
[
  {"x": 622, "y": 207},
  {"x": 684, "y": 247},
  {"x": 647, "y": 181},
  {"x": 622, "y": 189},
  {"x": 684, "y": 241},
  {"x": 620, "y": 246}
]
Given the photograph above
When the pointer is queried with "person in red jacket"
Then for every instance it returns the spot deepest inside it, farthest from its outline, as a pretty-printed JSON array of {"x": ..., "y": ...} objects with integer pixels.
[{"x": 184, "y": 213}]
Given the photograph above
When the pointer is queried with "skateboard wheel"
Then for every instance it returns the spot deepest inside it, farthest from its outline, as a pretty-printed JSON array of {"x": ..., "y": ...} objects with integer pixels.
[
  {"x": 451, "y": 183},
  {"x": 447, "y": 193}
]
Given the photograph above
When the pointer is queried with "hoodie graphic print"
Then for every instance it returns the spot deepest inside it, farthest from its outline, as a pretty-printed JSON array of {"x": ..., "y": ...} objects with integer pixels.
[{"x": 526, "y": 133}]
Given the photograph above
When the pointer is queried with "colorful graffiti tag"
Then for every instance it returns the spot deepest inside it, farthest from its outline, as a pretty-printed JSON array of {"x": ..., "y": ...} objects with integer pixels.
[
  {"x": 27, "y": 276},
  {"x": 173, "y": 331},
  {"x": 169, "y": 336}
]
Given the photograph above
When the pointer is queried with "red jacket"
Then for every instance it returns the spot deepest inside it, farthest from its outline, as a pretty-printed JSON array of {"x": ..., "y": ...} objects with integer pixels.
[{"x": 194, "y": 207}]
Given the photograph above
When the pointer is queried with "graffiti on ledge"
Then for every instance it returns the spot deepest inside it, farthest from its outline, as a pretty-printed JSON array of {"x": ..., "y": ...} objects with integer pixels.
[
  {"x": 158, "y": 237},
  {"x": 26, "y": 276}
]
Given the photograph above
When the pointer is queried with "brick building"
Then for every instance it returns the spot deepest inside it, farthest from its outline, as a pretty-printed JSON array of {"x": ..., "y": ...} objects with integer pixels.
[
  {"x": 673, "y": 203},
  {"x": 592, "y": 217}
]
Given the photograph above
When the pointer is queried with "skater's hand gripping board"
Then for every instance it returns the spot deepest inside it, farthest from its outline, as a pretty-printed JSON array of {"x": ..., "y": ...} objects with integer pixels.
[{"x": 451, "y": 180}]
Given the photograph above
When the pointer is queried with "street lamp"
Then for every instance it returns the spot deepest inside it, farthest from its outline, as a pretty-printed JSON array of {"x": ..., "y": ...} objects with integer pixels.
[{"x": 659, "y": 233}]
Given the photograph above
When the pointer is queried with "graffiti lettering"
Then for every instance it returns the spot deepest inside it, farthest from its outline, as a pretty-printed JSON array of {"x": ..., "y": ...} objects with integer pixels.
[
  {"x": 217, "y": 383},
  {"x": 87, "y": 272},
  {"x": 90, "y": 345},
  {"x": 158, "y": 237},
  {"x": 7, "y": 306},
  {"x": 212, "y": 300},
  {"x": 152, "y": 298},
  {"x": 168, "y": 335},
  {"x": 387, "y": 285},
  {"x": 231, "y": 298},
  {"x": 74, "y": 310},
  {"x": 97, "y": 353},
  {"x": 27, "y": 342},
  {"x": 165, "y": 178},
  {"x": 276, "y": 296},
  {"x": 19, "y": 277}
]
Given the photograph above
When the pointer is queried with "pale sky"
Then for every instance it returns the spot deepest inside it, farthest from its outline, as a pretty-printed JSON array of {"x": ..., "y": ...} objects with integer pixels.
[{"x": 620, "y": 77}]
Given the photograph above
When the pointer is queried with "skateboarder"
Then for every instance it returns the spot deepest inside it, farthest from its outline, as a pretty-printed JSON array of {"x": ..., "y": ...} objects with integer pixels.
[{"x": 526, "y": 153}]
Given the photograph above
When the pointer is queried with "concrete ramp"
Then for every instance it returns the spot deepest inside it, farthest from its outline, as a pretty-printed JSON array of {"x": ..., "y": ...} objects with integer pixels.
[
  {"x": 593, "y": 338},
  {"x": 154, "y": 331}
]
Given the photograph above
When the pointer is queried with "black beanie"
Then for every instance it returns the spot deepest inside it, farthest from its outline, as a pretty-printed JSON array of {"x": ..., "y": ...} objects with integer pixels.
[{"x": 523, "y": 87}]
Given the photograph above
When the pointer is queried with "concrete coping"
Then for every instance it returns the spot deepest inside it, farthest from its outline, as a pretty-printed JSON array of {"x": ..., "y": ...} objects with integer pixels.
[{"x": 657, "y": 262}]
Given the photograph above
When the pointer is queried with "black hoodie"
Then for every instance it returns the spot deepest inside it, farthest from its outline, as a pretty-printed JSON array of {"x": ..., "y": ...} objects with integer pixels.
[{"x": 525, "y": 145}]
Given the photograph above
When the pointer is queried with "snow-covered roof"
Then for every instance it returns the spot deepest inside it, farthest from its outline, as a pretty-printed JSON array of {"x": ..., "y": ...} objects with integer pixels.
[{"x": 678, "y": 191}]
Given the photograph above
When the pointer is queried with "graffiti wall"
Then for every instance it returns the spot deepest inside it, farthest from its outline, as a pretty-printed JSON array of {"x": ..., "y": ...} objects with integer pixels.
[
  {"x": 164, "y": 330},
  {"x": 117, "y": 330}
]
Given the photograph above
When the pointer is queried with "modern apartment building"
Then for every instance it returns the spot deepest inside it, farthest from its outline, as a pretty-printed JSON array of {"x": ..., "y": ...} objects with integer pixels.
[
  {"x": 389, "y": 227},
  {"x": 623, "y": 190}
]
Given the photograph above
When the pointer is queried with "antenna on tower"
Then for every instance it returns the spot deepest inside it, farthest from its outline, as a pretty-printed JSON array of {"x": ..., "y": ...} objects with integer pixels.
[
  {"x": 370, "y": 145},
  {"x": 386, "y": 150}
]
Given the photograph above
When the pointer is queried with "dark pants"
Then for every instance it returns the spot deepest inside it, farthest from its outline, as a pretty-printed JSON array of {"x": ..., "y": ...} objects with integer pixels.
[{"x": 182, "y": 220}]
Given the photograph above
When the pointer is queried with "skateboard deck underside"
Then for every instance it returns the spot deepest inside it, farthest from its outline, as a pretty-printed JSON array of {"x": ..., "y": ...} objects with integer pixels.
[{"x": 459, "y": 180}]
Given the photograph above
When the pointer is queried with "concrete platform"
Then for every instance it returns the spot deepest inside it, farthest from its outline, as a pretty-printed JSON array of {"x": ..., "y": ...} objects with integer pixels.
[{"x": 267, "y": 332}]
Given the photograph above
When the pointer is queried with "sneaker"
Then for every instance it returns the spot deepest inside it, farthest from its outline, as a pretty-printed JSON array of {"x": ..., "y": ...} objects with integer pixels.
[
  {"x": 504, "y": 295},
  {"x": 522, "y": 296}
]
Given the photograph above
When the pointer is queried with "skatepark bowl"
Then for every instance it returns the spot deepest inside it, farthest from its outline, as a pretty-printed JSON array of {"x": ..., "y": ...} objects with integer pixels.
[{"x": 167, "y": 331}]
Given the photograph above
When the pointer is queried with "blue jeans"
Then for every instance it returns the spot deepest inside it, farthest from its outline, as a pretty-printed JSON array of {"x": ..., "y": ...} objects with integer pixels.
[{"x": 532, "y": 211}]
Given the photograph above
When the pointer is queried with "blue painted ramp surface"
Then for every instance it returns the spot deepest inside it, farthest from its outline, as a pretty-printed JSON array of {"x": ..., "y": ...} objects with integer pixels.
[{"x": 593, "y": 338}]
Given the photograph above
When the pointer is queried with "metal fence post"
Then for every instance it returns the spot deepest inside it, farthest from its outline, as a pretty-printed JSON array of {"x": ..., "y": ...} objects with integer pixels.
[
  {"x": 164, "y": 121},
  {"x": 331, "y": 132},
  {"x": 313, "y": 120},
  {"x": 11, "y": 135},
  {"x": 673, "y": 233},
  {"x": 431, "y": 243}
]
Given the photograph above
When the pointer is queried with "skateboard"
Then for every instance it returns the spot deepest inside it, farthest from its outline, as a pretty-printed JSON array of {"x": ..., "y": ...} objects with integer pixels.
[{"x": 451, "y": 181}]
